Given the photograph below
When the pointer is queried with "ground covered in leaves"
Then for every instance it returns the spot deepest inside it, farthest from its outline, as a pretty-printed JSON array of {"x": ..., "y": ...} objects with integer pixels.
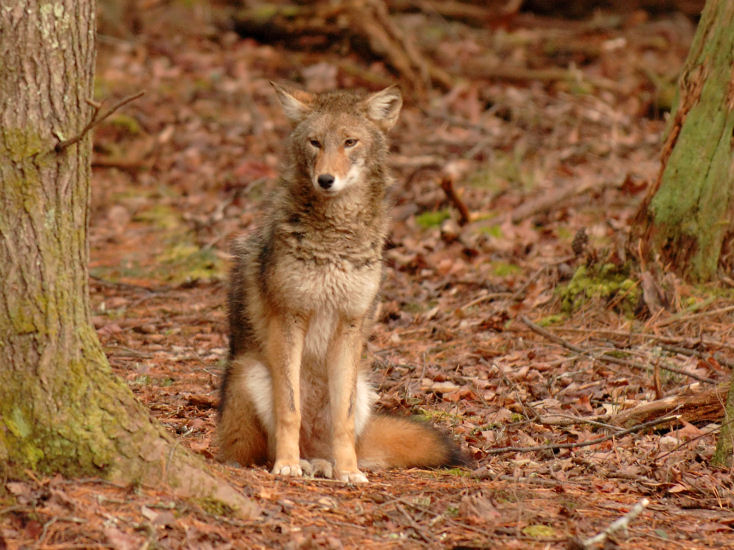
[{"x": 528, "y": 333}]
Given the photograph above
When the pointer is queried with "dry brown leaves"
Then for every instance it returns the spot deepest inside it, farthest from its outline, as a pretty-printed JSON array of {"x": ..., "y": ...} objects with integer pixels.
[{"x": 539, "y": 155}]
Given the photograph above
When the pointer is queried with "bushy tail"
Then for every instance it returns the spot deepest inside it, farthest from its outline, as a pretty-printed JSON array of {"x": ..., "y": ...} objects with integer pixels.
[{"x": 396, "y": 442}]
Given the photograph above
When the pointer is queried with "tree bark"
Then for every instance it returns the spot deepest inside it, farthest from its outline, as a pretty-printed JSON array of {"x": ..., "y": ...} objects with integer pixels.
[
  {"x": 724, "y": 454},
  {"x": 61, "y": 407},
  {"x": 688, "y": 214}
]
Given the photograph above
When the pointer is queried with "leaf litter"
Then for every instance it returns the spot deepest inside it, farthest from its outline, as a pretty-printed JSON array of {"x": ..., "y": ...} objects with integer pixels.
[{"x": 550, "y": 168}]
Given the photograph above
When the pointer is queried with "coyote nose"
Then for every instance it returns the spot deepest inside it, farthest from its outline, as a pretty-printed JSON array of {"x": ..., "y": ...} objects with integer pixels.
[{"x": 325, "y": 180}]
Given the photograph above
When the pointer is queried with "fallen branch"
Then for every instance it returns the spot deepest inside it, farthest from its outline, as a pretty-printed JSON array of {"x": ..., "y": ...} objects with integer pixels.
[
  {"x": 520, "y": 292},
  {"x": 556, "y": 446},
  {"x": 368, "y": 21},
  {"x": 492, "y": 12},
  {"x": 703, "y": 406},
  {"x": 545, "y": 203},
  {"x": 96, "y": 119},
  {"x": 570, "y": 420},
  {"x": 693, "y": 316},
  {"x": 699, "y": 354},
  {"x": 617, "y": 525},
  {"x": 482, "y": 70},
  {"x": 447, "y": 185},
  {"x": 605, "y": 356},
  {"x": 647, "y": 336}
]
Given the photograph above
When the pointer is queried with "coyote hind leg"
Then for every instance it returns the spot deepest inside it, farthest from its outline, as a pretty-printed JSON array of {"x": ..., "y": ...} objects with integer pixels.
[{"x": 241, "y": 435}]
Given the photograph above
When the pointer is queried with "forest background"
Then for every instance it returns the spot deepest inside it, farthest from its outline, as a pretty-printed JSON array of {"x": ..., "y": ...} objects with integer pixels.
[{"x": 516, "y": 313}]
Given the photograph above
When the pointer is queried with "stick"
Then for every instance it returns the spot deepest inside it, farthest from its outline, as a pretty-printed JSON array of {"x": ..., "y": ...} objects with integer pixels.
[
  {"x": 544, "y": 203},
  {"x": 705, "y": 405},
  {"x": 656, "y": 337},
  {"x": 621, "y": 523},
  {"x": 556, "y": 446},
  {"x": 606, "y": 357},
  {"x": 96, "y": 119},
  {"x": 694, "y": 353},
  {"x": 416, "y": 528},
  {"x": 692, "y": 316},
  {"x": 447, "y": 185}
]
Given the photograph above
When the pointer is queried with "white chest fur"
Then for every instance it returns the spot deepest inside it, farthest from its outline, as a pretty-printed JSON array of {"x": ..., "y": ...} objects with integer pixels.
[{"x": 329, "y": 289}]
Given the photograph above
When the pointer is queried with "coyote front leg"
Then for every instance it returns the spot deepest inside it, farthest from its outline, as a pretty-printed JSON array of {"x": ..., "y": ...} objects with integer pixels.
[
  {"x": 342, "y": 367},
  {"x": 284, "y": 348}
]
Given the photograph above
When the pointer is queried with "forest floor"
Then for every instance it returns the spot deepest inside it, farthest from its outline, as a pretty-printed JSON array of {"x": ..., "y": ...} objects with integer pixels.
[{"x": 531, "y": 326}]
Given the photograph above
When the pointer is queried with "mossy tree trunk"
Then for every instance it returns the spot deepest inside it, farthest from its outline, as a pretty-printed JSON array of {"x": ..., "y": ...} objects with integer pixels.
[
  {"x": 724, "y": 454},
  {"x": 61, "y": 407},
  {"x": 687, "y": 217},
  {"x": 688, "y": 214}
]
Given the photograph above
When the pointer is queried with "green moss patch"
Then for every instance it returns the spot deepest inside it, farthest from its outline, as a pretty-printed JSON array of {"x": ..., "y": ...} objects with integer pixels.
[
  {"x": 432, "y": 219},
  {"x": 215, "y": 507},
  {"x": 605, "y": 282}
]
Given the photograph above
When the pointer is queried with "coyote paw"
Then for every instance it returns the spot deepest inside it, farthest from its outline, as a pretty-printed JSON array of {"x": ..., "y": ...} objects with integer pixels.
[
  {"x": 317, "y": 467},
  {"x": 351, "y": 477},
  {"x": 286, "y": 469}
]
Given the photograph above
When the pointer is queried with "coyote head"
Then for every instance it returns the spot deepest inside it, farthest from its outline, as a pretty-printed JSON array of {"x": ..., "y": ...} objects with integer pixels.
[{"x": 339, "y": 137}]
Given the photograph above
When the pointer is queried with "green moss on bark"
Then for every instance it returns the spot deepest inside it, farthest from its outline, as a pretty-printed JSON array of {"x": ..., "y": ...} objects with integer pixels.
[
  {"x": 724, "y": 454},
  {"x": 689, "y": 211},
  {"x": 61, "y": 409}
]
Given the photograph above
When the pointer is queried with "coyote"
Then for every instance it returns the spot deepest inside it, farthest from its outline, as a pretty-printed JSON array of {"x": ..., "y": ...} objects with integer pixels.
[{"x": 303, "y": 294}]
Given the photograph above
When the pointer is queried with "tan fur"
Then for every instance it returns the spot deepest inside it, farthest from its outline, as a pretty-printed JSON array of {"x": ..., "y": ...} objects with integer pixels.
[{"x": 302, "y": 294}]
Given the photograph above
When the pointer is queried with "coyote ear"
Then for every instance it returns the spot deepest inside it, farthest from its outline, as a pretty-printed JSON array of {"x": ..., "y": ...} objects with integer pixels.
[
  {"x": 384, "y": 107},
  {"x": 296, "y": 103}
]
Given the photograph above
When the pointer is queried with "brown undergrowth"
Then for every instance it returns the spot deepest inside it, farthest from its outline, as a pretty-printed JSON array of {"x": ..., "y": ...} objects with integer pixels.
[{"x": 513, "y": 330}]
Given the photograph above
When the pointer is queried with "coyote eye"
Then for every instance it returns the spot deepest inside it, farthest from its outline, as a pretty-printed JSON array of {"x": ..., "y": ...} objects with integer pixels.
[
  {"x": 351, "y": 142},
  {"x": 315, "y": 143}
]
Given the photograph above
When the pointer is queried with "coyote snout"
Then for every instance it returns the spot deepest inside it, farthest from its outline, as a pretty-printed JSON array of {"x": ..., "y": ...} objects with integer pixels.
[
  {"x": 337, "y": 162},
  {"x": 303, "y": 295}
]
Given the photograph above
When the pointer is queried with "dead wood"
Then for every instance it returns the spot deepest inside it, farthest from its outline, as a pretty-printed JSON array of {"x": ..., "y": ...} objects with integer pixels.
[
  {"x": 576, "y": 444},
  {"x": 481, "y": 69},
  {"x": 493, "y": 12},
  {"x": 544, "y": 203},
  {"x": 363, "y": 22},
  {"x": 606, "y": 356},
  {"x": 705, "y": 406},
  {"x": 447, "y": 184},
  {"x": 617, "y": 525}
]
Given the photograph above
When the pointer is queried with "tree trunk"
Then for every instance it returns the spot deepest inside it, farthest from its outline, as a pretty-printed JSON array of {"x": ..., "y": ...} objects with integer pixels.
[
  {"x": 724, "y": 454},
  {"x": 61, "y": 407},
  {"x": 688, "y": 214}
]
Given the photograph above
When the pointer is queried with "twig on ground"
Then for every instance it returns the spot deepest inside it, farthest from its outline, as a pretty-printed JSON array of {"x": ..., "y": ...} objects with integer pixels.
[
  {"x": 518, "y": 294},
  {"x": 129, "y": 286},
  {"x": 486, "y": 298},
  {"x": 514, "y": 73},
  {"x": 414, "y": 525},
  {"x": 705, "y": 405},
  {"x": 617, "y": 525},
  {"x": 605, "y": 356},
  {"x": 49, "y": 523},
  {"x": 693, "y": 316},
  {"x": 132, "y": 167},
  {"x": 695, "y": 353},
  {"x": 570, "y": 420},
  {"x": 537, "y": 206},
  {"x": 647, "y": 336},
  {"x": 712, "y": 431},
  {"x": 447, "y": 184},
  {"x": 96, "y": 119},
  {"x": 556, "y": 446}
]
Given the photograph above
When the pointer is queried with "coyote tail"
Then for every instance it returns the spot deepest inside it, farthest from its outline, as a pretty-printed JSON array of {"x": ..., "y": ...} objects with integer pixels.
[{"x": 398, "y": 442}]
